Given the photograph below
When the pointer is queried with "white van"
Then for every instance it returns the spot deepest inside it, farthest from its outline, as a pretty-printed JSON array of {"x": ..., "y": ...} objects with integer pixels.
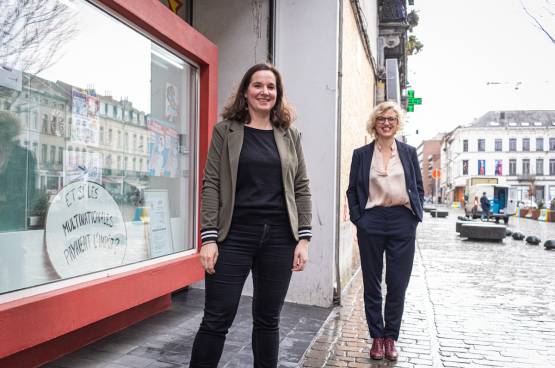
[{"x": 503, "y": 197}]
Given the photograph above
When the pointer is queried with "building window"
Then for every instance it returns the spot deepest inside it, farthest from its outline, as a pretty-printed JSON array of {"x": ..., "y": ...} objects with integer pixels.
[
  {"x": 62, "y": 107},
  {"x": 539, "y": 166},
  {"x": 44, "y": 152},
  {"x": 141, "y": 164},
  {"x": 101, "y": 138},
  {"x": 120, "y": 114},
  {"x": 539, "y": 144},
  {"x": 134, "y": 164},
  {"x": 35, "y": 121},
  {"x": 35, "y": 150},
  {"x": 53, "y": 104},
  {"x": 52, "y": 153},
  {"x": 465, "y": 145},
  {"x": 126, "y": 141},
  {"x": 512, "y": 144},
  {"x": 125, "y": 164},
  {"x": 119, "y": 138},
  {"x": 552, "y": 144},
  {"x": 526, "y": 144},
  {"x": 45, "y": 123},
  {"x": 499, "y": 145},
  {"x": 134, "y": 141},
  {"x": 551, "y": 167},
  {"x": 481, "y": 144},
  {"x": 526, "y": 166},
  {"x": 512, "y": 167},
  {"x": 141, "y": 143},
  {"x": 119, "y": 162}
]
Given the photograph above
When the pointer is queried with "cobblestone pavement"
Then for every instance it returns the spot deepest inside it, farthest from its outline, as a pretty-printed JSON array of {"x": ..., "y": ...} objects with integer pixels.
[{"x": 469, "y": 304}]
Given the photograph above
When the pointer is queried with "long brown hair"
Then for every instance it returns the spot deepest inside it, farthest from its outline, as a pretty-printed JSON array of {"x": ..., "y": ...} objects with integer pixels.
[{"x": 282, "y": 114}]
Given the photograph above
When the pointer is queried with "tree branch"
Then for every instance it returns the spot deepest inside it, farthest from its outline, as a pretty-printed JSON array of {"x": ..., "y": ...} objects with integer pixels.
[{"x": 538, "y": 24}]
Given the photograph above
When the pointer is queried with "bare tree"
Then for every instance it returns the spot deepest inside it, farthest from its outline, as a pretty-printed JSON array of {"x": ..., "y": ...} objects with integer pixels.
[
  {"x": 550, "y": 9},
  {"x": 34, "y": 32}
]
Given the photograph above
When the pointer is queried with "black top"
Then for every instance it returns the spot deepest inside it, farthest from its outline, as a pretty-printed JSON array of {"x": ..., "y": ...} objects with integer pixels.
[
  {"x": 259, "y": 194},
  {"x": 484, "y": 202}
]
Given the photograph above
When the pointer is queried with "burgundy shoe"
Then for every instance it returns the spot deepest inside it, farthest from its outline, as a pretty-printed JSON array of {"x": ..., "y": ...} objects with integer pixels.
[
  {"x": 390, "y": 351},
  {"x": 376, "y": 352}
]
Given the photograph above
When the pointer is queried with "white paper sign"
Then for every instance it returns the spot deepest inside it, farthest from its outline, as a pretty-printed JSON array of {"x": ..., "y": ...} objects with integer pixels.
[
  {"x": 82, "y": 166},
  {"x": 10, "y": 77},
  {"x": 160, "y": 241},
  {"x": 84, "y": 230}
]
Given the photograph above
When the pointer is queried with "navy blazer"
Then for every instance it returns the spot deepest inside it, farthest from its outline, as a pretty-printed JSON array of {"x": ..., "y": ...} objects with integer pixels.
[{"x": 359, "y": 179}]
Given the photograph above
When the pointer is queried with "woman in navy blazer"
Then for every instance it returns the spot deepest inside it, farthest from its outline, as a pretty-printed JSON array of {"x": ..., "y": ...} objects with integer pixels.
[{"x": 386, "y": 221}]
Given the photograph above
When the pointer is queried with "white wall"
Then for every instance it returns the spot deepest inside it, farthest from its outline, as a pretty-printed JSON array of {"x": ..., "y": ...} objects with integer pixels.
[{"x": 307, "y": 33}]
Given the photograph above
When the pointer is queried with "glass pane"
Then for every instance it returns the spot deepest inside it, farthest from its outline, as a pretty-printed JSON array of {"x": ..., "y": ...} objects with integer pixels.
[{"x": 80, "y": 96}]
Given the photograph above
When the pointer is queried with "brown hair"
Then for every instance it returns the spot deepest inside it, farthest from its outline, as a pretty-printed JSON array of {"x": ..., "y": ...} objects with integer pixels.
[{"x": 282, "y": 114}]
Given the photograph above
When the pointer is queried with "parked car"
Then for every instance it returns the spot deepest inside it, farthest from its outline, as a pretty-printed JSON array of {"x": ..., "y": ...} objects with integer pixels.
[{"x": 528, "y": 203}]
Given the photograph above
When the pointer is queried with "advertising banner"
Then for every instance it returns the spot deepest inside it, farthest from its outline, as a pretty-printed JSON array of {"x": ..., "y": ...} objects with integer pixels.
[
  {"x": 163, "y": 149},
  {"x": 156, "y": 147},
  {"x": 172, "y": 151},
  {"x": 465, "y": 167},
  {"x": 498, "y": 167},
  {"x": 481, "y": 167},
  {"x": 85, "y": 127},
  {"x": 172, "y": 103},
  {"x": 82, "y": 166}
]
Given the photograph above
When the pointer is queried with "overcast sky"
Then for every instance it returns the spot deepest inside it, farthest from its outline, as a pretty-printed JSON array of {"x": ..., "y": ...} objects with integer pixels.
[{"x": 468, "y": 44}]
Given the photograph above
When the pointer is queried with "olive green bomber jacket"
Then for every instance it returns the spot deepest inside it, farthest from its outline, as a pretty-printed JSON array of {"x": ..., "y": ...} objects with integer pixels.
[{"x": 220, "y": 178}]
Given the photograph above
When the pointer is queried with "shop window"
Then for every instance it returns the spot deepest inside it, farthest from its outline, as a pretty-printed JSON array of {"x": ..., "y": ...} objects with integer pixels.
[
  {"x": 539, "y": 166},
  {"x": 498, "y": 145},
  {"x": 164, "y": 90},
  {"x": 526, "y": 144},
  {"x": 481, "y": 144},
  {"x": 512, "y": 144},
  {"x": 512, "y": 167},
  {"x": 539, "y": 144}
]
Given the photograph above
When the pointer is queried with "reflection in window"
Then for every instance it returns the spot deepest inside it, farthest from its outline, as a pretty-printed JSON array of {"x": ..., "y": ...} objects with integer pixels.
[{"x": 76, "y": 128}]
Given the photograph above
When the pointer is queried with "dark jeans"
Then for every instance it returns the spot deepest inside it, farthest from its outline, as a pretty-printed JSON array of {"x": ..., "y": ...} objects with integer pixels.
[
  {"x": 268, "y": 251},
  {"x": 391, "y": 230},
  {"x": 485, "y": 212}
]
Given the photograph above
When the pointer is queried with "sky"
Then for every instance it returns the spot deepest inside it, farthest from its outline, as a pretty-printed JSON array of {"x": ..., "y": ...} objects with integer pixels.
[{"x": 468, "y": 44}]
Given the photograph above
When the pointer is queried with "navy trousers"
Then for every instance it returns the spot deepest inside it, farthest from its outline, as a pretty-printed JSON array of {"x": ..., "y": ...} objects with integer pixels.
[
  {"x": 267, "y": 251},
  {"x": 391, "y": 230}
]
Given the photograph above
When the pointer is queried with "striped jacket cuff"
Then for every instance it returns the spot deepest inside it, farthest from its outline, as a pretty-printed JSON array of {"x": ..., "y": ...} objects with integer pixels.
[
  {"x": 209, "y": 234},
  {"x": 305, "y": 233}
]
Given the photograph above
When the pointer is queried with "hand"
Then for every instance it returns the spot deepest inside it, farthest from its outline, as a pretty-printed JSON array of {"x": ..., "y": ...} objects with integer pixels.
[
  {"x": 208, "y": 257},
  {"x": 301, "y": 255}
]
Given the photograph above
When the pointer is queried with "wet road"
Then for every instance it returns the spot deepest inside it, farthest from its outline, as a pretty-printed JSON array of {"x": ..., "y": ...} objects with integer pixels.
[{"x": 469, "y": 304}]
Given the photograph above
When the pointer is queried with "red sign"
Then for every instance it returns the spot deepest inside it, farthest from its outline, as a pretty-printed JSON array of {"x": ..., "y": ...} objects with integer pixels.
[{"x": 436, "y": 174}]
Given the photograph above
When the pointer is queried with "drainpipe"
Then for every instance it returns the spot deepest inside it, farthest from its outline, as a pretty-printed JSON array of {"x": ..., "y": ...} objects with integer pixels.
[
  {"x": 337, "y": 298},
  {"x": 272, "y": 33}
]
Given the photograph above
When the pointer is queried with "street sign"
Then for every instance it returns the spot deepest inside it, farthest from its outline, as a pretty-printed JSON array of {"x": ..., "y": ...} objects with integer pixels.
[
  {"x": 436, "y": 174},
  {"x": 413, "y": 101}
]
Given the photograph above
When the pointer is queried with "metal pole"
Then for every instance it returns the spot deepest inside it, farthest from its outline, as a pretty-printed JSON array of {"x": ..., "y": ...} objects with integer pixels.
[{"x": 436, "y": 196}]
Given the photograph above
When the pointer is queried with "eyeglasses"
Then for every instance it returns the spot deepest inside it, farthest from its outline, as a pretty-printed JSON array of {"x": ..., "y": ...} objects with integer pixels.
[{"x": 381, "y": 120}]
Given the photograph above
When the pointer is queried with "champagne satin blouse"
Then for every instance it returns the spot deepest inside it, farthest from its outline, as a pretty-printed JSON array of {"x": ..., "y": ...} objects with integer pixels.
[{"x": 387, "y": 186}]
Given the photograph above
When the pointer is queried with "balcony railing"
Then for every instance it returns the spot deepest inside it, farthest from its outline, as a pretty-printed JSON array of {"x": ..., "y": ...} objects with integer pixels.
[
  {"x": 526, "y": 177},
  {"x": 393, "y": 11}
]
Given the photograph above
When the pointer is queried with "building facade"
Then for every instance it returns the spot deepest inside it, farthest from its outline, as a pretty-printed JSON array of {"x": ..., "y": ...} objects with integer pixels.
[
  {"x": 429, "y": 158},
  {"x": 518, "y": 147}
]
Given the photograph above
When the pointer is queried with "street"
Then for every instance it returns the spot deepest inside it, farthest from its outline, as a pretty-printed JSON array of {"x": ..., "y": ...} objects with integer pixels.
[{"x": 469, "y": 304}]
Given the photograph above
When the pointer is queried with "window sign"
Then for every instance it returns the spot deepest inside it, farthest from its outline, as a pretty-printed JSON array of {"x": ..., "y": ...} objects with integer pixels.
[
  {"x": 498, "y": 167},
  {"x": 82, "y": 166},
  {"x": 159, "y": 229},
  {"x": 85, "y": 231},
  {"x": 481, "y": 167}
]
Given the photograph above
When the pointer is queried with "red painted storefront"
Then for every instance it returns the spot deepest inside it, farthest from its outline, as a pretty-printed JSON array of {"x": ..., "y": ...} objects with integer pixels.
[{"x": 40, "y": 328}]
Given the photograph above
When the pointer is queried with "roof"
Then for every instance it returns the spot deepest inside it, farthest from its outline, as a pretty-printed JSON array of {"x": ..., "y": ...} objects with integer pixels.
[{"x": 514, "y": 119}]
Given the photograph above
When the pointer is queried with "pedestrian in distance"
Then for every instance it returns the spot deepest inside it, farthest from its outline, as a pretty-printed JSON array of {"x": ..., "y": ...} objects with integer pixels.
[
  {"x": 484, "y": 203},
  {"x": 385, "y": 197},
  {"x": 256, "y": 213}
]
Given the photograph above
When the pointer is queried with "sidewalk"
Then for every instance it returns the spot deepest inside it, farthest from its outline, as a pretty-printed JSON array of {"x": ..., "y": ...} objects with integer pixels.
[
  {"x": 165, "y": 340},
  {"x": 345, "y": 342}
]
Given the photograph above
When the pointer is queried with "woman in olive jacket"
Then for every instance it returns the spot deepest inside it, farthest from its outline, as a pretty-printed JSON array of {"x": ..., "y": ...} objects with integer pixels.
[{"x": 256, "y": 211}]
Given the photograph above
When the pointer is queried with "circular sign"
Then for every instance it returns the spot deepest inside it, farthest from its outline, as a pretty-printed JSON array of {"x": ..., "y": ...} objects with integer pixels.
[
  {"x": 436, "y": 174},
  {"x": 84, "y": 231}
]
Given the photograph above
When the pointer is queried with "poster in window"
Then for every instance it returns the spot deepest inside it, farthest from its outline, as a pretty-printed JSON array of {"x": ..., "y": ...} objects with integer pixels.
[
  {"x": 156, "y": 147},
  {"x": 172, "y": 103},
  {"x": 481, "y": 167},
  {"x": 84, "y": 129},
  {"x": 465, "y": 167},
  {"x": 159, "y": 227},
  {"x": 172, "y": 151},
  {"x": 498, "y": 167},
  {"x": 82, "y": 166}
]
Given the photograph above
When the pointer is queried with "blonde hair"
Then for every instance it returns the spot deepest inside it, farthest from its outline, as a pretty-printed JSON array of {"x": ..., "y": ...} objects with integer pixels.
[{"x": 380, "y": 110}]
